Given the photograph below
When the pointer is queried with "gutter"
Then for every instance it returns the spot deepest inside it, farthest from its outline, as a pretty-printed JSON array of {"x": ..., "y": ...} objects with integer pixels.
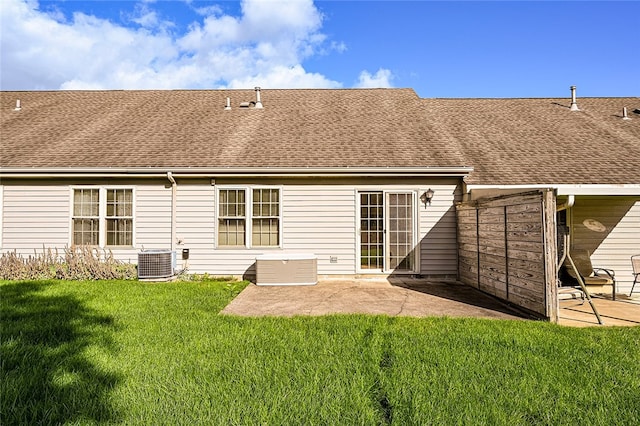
[
  {"x": 630, "y": 189},
  {"x": 189, "y": 172}
]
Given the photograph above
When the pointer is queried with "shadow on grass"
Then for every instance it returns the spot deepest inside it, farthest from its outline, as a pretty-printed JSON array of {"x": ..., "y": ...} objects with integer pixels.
[{"x": 46, "y": 371}]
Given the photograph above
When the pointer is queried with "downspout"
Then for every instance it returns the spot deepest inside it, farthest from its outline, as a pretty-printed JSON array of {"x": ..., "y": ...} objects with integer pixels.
[
  {"x": 173, "y": 210},
  {"x": 566, "y": 256},
  {"x": 571, "y": 199}
]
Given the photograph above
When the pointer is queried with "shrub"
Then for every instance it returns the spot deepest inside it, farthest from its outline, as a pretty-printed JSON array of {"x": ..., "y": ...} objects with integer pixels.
[{"x": 75, "y": 263}]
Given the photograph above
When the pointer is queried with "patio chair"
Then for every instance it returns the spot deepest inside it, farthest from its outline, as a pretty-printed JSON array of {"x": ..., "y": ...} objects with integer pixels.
[
  {"x": 635, "y": 264},
  {"x": 591, "y": 276}
]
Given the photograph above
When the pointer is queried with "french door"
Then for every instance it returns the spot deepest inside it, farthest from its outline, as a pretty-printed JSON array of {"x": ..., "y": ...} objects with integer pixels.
[{"x": 387, "y": 231}]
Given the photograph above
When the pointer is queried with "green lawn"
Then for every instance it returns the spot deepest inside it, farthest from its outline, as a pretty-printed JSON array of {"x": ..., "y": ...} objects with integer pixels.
[{"x": 142, "y": 353}]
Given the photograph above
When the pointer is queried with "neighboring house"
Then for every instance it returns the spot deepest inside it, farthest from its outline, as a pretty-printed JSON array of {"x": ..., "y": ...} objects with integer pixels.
[
  {"x": 590, "y": 155},
  {"x": 341, "y": 174}
]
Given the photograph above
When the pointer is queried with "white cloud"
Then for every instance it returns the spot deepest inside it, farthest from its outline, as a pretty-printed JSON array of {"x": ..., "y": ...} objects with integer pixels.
[
  {"x": 289, "y": 77},
  {"x": 382, "y": 78},
  {"x": 145, "y": 17},
  {"x": 265, "y": 45},
  {"x": 339, "y": 46}
]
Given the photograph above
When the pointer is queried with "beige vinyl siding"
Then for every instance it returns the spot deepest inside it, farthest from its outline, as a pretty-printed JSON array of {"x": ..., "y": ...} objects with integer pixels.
[
  {"x": 153, "y": 217},
  {"x": 321, "y": 220},
  {"x": 195, "y": 228},
  {"x": 39, "y": 215},
  {"x": 35, "y": 216},
  {"x": 437, "y": 232},
  {"x": 614, "y": 247}
]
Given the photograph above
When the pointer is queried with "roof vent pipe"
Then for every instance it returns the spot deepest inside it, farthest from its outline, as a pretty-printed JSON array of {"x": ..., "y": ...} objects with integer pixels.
[
  {"x": 228, "y": 106},
  {"x": 18, "y": 106},
  {"x": 625, "y": 116},
  {"x": 574, "y": 104},
  {"x": 258, "y": 102}
]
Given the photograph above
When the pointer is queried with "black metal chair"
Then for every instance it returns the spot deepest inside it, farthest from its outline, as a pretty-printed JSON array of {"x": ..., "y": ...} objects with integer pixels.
[
  {"x": 635, "y": 264},
  {"x": 591, "y": 276}
]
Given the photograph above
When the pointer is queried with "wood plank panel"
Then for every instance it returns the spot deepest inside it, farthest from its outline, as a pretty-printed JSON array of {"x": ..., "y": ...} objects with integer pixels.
[{"x": 507, "y": 246}]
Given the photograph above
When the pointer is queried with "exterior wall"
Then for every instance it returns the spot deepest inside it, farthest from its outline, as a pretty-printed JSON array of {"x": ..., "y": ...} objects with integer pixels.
[
  {"x": 152, "y": 217},
  {"x": 437, "y": 232},
  {"x": 195, "y": 229},
  {"x": 319, "y": 216},
  {"x": 35, "y": 216},
  {"x": 322, "y": 220},
  {"x": 613, "y": 246}
]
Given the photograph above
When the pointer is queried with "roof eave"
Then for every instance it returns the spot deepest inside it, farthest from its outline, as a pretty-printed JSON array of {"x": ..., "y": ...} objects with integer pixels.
[{"x": 193, "y": 172}]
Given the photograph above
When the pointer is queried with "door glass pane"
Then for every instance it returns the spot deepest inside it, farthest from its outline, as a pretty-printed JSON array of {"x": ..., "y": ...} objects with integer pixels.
[
  {"x": 400, "y": 235},
  {"x": 371, "y": 228}
]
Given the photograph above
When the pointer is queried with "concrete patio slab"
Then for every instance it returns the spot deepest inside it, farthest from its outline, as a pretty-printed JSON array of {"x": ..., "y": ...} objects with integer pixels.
[
  {"x": 394, "y": 297},
  {"x": 624, "y": 311},
  {"x": 398, "y": 296}
]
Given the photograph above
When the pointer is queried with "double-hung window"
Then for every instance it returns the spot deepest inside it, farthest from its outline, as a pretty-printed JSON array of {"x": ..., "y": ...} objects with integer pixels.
[
  {"x": 265, "y": 223},
  {"x": 249, "y": 217},
  {"x": 102, "y": 217},
  {"x": 119, "y": 217},
  {"x": 86, "y": 217},
  {"x": 231, "y": 217}
]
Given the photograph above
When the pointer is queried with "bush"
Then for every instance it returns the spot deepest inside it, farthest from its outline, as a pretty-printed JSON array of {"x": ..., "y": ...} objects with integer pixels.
[{"x": 76, "y": 263}]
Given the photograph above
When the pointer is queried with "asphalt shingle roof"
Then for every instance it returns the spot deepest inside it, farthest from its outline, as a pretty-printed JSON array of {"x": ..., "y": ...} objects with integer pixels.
[
  {"x": 541, "y": 141},
  {"x": 296, "y": 128},
  {"x": 507, "y": 141}
]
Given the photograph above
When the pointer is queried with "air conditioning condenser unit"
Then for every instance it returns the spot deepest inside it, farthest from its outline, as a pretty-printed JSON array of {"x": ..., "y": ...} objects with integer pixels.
[{"x": 156, "y": 264}]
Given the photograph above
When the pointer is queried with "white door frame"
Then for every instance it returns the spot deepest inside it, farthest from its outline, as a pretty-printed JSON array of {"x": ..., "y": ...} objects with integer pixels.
[{"x": 385, "y": 234}]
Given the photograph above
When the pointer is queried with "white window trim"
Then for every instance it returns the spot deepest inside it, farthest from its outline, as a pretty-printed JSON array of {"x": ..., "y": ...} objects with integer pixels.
[
  {"x": 102, "y": 214},
  {"x": 248, "y": 189}
]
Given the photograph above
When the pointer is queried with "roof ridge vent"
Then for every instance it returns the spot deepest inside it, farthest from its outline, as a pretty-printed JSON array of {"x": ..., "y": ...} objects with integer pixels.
[
  {"x": 18, "y": 105},
  {"x": 625, "y": 116},
  {"x": 258, "y": 101},
  {"x": 574, "y": 104}
]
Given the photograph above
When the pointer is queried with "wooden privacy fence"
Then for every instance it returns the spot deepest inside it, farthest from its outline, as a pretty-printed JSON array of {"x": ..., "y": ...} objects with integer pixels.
[{"x": 507, "y": 248}]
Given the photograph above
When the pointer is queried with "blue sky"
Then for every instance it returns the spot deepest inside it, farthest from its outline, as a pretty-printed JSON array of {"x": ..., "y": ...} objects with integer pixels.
[{"x": 440, "y": 49}]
